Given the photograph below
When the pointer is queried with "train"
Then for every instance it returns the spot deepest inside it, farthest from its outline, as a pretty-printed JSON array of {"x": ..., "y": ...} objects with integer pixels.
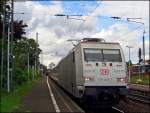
[{"x": 94, "y": 71}]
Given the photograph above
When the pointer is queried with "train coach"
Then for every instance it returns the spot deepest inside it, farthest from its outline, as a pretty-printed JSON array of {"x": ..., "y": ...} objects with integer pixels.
[{"x": 94, "y": 71}]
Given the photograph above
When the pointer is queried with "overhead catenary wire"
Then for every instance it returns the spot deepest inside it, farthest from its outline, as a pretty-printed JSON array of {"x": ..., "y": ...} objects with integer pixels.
[
  {"x": 83, "y": 22},
  {"x": 87, "y": 18},
  {"x": 78, "y": 19},
  {"x": 126, "y": 33},
  {"x": 83, "y": 9},
  {"x": 67, "y": 33},
  {"x": 128, "y": 19}
]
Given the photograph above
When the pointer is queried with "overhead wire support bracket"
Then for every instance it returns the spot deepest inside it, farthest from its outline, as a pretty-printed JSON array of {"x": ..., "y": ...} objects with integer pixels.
[
  {"x": 59, "y": 15},
  {"x": 68, "y": 16},
  {"x": 134, "y": 21},
  {"x": 65, "y": 15},
  {"x": 115, "y": 17},
  {"x": 128, "y": 19}
]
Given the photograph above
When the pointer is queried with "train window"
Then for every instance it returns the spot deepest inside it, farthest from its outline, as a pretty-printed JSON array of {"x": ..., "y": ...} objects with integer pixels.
[
  {"x": 93, "y": 55},
  {"x": 112, "y": 55}
]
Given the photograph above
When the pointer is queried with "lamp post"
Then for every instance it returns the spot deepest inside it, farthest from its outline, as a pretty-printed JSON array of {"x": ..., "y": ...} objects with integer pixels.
[
  {"x": 8, "y": 60},
  {"x": 28, "y": 55},
  {"x": 138, "y": 22},
  {"x": 129, "y": 47},
  {"x": 140, "y": 60}
]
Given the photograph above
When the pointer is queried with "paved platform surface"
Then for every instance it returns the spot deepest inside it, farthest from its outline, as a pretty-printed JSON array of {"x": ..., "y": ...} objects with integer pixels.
[
  {"x": 38, "y": 99},
  {"x": 46, "y": 96}
]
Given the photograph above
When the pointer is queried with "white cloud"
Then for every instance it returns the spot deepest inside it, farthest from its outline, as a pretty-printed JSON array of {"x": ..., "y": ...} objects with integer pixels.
[
  {"x": 54, "y": 31},
  {"x": 125, "y": 36},
  {"x": 121, "y": 32},
  {"x": 125, "y": 9}
]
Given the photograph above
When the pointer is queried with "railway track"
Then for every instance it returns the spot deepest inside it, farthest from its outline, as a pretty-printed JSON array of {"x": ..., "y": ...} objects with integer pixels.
[
  {"x": 118, "y": 110},
  {"x": 139, "y": 96},
  {"x": 104, "y": 110},
  {"x": 89, "y": 109}
]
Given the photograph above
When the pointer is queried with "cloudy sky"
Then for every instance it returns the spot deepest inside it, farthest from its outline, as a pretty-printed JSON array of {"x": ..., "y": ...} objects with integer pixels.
[{"x": 55, "y": 30}]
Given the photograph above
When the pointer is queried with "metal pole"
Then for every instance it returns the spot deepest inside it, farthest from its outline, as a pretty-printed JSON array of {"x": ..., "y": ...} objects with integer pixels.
[
  {"x": 8, "y": 55},
  {"x": 144, "y": 50},
  {"x": 28, "y": 66},
  {"x": 3, "y": 37},
  {"x": 42, "y": 62},
  {"x": 139, "y": 73},
  {"x": 129, "y": 65},
  {"x": 33, "y": 72},
  {"x": 12, "y": 25},
  {"x": 36, "y": 53},
  {"x": 35, "y": 65},
  {"x": 12, "y": 35}
]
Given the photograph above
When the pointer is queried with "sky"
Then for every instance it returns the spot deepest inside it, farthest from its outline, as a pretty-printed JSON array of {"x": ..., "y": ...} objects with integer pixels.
[{"x": 93, "y": 20}]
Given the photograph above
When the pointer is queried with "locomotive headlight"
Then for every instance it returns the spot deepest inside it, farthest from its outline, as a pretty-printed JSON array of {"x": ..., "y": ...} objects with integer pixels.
[
  {"x": 120, "y": 79},
  {"x": 88, "y": 78}
]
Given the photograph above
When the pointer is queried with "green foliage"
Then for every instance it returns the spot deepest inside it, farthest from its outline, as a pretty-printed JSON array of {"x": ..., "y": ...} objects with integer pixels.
[
  {"x": 3, "y": 11},
  {"x": 21, "y": 50},
  {"x": 22, "y": 46},
  {"x": 19, "y": 29},
  {"x": 145, "y": 79},
  {"x": 129, "y": 62},
  {"x": 19, "y": 77}
]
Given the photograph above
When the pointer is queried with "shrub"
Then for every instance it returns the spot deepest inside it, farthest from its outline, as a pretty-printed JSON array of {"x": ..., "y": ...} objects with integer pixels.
[{"x": 19, "y": 76}]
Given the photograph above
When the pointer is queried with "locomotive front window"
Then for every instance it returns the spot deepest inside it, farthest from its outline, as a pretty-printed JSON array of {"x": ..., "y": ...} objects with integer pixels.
[
  {"x": 93, "y": 55},
  {"x": 112, "y": 55}
]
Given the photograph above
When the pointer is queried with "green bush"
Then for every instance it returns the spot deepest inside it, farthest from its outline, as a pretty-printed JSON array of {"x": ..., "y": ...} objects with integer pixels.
[
  {"x": 19, "y": 76},
  {"x": 145, "y": 79}
]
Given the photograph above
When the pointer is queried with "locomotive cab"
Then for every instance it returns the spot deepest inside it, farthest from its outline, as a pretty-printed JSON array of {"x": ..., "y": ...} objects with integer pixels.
[
  {"x": 104, "y": 71},
  {"x": 94, "y": 70}
]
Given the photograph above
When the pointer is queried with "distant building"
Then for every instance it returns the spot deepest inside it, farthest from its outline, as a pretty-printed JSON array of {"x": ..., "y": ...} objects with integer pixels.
[
  {"x": 135, "y": 68},
  {"x": 147, "y": 62},
  {"x": 43, "y": 69}
]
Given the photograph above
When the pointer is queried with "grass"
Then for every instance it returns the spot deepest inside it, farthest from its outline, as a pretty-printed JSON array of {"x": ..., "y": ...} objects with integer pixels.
[
  {"x": 12, "y": 101},
  {"x": 145, "y": 79}
]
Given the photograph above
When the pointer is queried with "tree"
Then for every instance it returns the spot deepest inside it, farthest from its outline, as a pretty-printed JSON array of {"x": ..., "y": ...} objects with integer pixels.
[
  {"x": 19, "y": 29},
  {"x": 3, "y": 14},
  {"x": 51, "y": 65},
  {"x": 23, "y": 47}
]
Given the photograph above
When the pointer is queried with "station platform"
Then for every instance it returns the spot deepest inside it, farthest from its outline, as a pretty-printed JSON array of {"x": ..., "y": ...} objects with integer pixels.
[{"x": 46, "y": 96}]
